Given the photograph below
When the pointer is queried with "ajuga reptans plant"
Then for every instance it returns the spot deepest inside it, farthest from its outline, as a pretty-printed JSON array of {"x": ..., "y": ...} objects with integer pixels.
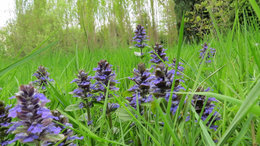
[
  {"x": 199, "y": 101},
  {"x": 140, "y": 38},
  {"x": 104, "y": 78},
  {"x": 158, "y": 54},
  {"x": 35, "y": 121},
  {"x": 83, "y": 91},
  {"x": 207, "y": 52},
  {"x": 105, "y": 82},
  {"x": 162, "y": 84},
  {"x": 141, "y": 89},
  {"x": 42, "y": 77},
  {"x": 5, "y": 122}
]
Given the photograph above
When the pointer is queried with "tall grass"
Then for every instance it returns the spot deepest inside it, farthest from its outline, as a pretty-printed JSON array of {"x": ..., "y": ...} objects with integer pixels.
[{"x": 233, "y": 76}]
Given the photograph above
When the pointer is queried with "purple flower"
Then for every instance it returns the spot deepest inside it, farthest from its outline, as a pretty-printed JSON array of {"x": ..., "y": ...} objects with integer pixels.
[
  {"x": 83, "y": 91},
  {"x": 141, "y": 89},
  {"x": 140, "y": 37},
  {"x": 112, "y": 107},
  {"x": 162, "y": 85},
  {"x": 90, "y": 122},
  {"x": 199, "y": 101},
  {"x": 158, "y": 54},
  {"x": 43, "y": 77},
  {"x": 5, "y": 121},
  {"x": 84, "y": 87},
  {"x": 34, "y": 118},
  {"x": 207, "y": 52},
  {"x": 104, "y": 78},
  {"x": 180, "y": 68}
]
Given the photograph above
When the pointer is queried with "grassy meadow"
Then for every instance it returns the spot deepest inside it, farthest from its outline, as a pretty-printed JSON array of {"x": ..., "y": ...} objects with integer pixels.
[{"x": 233, "y": 77}]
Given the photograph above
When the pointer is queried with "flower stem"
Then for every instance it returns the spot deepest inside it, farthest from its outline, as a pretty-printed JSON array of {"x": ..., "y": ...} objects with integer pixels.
[
  {"x": 38, "y": 143},
  {"x": 88, "y": 111},
  {"x": 253, "y": 133},
  {"x": 109, "y": 118}
]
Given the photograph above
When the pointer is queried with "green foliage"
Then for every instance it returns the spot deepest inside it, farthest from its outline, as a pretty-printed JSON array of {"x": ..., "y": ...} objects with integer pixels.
[
  {"x": 199, "y": 22},
  {"x": 245, "y": 9},
  {"x": 233, "y": 76},
  {"x": 89, "y": 24}
]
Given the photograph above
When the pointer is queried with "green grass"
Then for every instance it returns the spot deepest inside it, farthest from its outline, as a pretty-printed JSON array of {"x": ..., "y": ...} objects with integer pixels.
[{"x": 233, "y": 76}]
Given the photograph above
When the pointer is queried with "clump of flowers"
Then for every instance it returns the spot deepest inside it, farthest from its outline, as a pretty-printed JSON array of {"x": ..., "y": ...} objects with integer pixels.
[
  {"x": 207, "y": 52},
  {"x": 42, "y": 77},
  {"x": 105, "y": 78},
  {"x": 83, "y": 91},
  {"x": 142, "y": 78},
  {"x": 35, "y": 124},
  {"x": 140, "y": 38},
  {"x": 162, "y": 85},
  {"x": 158, "y": 54},
  {"x": 199, "y": 101},
  {"x": 63, "y": 123},
  {"x": 5, "y": 121},
  {"x": 105, "y": 81}
]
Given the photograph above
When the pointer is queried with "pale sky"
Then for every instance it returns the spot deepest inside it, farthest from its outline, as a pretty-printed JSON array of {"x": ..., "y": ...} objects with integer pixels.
[{"x": 7, "y": 8}]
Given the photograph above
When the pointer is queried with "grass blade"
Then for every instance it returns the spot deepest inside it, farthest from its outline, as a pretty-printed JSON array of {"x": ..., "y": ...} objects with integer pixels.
[
  {"x": 206, "y": 136},
  {"x": 255, "y": 109},
  {"x": 255, "y": 7},
  {"x": 37, "y": 51},
  {"x": 243, "y": 131},
  {"x": 245, "y": 107}
]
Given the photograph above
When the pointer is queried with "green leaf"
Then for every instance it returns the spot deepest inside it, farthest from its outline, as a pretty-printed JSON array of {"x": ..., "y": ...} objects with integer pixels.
[
  {"x": 54, "y": 137},
  {"x": 255, "y": 7},
  {"x": 123, "y": 114},
  {"x": 115, "y": 130},
  {"x": 72, "y": 107},
  {"x": 19, "y": 130}
]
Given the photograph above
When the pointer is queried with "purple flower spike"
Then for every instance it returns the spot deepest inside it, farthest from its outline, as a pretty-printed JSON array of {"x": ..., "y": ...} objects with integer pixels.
[
  {"x": 5, "y": 122},
  {"x": 104, "y": 76},
  {"x": 158, "y": 54},
  {"x": 43, "y": 77},
  {"x": 35, "y": 120},
  {"x": 141, "y": 89},
  {"x": 162, "y": 85},
  {"x": 140, "y": 37},
  {"x": 207, "y": 52},
  {"x": 84, "y": 85},
  {"x": 198, "y": 103}
]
